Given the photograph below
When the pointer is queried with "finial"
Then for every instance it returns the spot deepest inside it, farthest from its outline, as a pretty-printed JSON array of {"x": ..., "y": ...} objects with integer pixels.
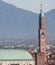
[
  {"x": 41, "y": 11},
  {"x": 41, "y": 6}
]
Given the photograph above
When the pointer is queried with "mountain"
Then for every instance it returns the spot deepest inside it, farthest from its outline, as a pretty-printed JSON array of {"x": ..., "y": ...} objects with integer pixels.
[
  {"x": 50, "y": 22},
  {"x": 15, "y": 20}
]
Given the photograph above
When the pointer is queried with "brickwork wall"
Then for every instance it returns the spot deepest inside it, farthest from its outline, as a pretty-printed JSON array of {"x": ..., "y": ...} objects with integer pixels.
[{"x": 40, "y": 59}]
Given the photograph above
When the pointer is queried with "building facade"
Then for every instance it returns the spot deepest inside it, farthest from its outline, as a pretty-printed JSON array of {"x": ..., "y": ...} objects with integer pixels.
[{"x": 15, "y": 57}]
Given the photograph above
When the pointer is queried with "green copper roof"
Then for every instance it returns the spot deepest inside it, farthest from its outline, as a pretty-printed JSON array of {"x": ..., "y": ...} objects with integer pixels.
[
  {"x": 41, "y": 12},
  {"x": 14, "y": 54}
]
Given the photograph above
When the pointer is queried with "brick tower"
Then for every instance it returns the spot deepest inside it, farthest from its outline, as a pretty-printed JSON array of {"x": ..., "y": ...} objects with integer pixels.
[{"x": 42, "y": 34}]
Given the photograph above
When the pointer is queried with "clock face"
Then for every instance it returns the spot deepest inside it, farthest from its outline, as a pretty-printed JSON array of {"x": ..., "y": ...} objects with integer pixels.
[{"x": 43, "y": 35}]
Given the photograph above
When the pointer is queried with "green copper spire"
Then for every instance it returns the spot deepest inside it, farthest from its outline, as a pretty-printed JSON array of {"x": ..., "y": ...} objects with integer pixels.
[{"x": 41, "y": 11}]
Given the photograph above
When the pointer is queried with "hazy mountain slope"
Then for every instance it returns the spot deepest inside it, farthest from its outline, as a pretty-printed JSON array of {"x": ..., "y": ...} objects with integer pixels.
[
  {"x": 50, "y": 22},
  {"x": 14, "y": 20}
]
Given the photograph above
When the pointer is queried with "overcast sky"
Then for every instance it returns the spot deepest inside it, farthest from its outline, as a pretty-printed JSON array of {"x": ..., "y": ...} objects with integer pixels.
[{"x": 33, "y": 5}]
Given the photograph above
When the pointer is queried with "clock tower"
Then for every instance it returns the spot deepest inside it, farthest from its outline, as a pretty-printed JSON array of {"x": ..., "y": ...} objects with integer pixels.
[{"x": 42, "y": 34}]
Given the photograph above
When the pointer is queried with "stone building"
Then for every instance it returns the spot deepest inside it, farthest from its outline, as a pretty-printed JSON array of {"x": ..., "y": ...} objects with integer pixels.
[
  {"x": 41, "y": 55},
  {"x": 15, "y": 57}
]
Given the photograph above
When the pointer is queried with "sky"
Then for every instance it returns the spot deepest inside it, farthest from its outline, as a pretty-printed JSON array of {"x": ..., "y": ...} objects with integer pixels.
[{"x": 33, "y": 5}]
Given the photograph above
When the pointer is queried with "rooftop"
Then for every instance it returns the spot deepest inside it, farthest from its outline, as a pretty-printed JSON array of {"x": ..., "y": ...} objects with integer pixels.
[{"x": 14, "y": 54}]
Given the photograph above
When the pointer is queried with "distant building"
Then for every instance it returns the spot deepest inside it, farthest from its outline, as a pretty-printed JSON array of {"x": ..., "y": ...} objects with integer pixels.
[{"x": 51, "y": 56}]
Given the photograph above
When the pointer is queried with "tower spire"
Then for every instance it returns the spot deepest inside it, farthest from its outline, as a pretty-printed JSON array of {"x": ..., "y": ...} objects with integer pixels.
[
  {"x": 41, "y": 18},
  {"x": 41, "y": 11},
  {"x": 42, "y": 33}
]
